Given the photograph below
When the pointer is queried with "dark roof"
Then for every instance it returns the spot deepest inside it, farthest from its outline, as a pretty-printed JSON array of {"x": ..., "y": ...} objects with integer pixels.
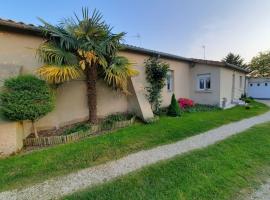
[
  {"x": 20, "y": 27},
  {"x": 36, "y": 30},
  {"x": 156, "y": 53},
  {"x": 219, "y": 63}
]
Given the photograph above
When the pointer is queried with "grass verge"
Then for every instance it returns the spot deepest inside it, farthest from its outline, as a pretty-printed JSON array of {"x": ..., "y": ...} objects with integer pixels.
[
  {"x": 26, "y": 169},
  {"x": 217, "y": 172}
]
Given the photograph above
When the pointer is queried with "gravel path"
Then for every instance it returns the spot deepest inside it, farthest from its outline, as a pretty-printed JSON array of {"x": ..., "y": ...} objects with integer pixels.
[
  {"x": 60, "y": 186},
  {"x": 263, "y": 193}
]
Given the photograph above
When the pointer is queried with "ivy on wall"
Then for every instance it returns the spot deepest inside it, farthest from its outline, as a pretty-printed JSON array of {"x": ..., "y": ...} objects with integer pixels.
[{"x": 156, "y": 73}]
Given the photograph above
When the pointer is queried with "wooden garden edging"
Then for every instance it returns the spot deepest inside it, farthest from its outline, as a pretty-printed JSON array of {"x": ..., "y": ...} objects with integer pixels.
[{"x": 62, "y": 139}]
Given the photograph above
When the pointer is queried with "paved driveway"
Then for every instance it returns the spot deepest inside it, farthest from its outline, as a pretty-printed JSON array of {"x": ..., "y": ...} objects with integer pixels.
[{"x": 267, "y": 102}]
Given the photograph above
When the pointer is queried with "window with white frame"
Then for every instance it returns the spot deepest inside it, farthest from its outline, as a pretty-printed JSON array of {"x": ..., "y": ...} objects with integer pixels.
[
  {"x": 204, "y": 82},
  {"x": 170, "y": 80}
]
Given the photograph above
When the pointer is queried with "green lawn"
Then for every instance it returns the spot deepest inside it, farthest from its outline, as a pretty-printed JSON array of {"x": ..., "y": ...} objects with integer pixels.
[
  {"x": 22, "y": 170},
  {"x": 217, "y": 172}
]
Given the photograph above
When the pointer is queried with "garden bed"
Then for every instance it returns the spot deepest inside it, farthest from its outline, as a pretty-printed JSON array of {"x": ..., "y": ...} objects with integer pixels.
[
  {"x": 192, "y": 109},
  {"x": 70, "y": 137}
]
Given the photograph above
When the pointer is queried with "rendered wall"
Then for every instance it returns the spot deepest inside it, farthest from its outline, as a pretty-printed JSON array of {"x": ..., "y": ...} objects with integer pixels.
[
  {"x": 227, "y": 88},
  {"x": 11, "y": 137},
  {"x": 71, "y": 105},
  {"x": 180, "y": 71},
  {"x": 239, "y": 90},
  {"x": 211, "y": 96},
  {"x": 17, "y": 56},
  {"x": 181, "y": 87}
]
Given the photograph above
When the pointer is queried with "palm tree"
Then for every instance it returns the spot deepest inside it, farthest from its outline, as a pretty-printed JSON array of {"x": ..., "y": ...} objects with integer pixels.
[{"x": 84, "y": 47}]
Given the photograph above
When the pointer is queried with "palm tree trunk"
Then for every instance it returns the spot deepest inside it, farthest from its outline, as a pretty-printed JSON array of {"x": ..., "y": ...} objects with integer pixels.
[{"x": 91, "y": 80}]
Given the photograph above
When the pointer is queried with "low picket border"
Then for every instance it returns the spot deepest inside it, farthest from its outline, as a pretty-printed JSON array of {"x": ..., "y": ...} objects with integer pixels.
[{"x": 62, "y": 139}]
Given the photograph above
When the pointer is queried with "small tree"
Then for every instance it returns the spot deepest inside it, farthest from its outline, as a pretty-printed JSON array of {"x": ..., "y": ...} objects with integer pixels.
[
  {"x": 26, "y": 98},
  {"x": 174, "y": 109},
  {"x": 260, "y": 65},
  {"x": 234, "y": 59},
  {"x": 156, "y": 72}
]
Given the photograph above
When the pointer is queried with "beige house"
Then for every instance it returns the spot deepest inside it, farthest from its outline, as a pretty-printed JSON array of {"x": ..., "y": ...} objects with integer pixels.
[{"x": 204, "y": 81}]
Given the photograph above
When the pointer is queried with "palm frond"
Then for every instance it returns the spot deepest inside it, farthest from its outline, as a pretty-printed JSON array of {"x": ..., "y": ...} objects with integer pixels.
[
  {"x": 112, "y": 43},
  {"x": 59, "y": 74},
  {"x": 85, "y": 13},
  {"x": 118, "y": 73},
  {"x": 59, "y": 33},
  {"x": 91, "y": 58},
  {"x": 90, "y": 27},
  {"x": 51, "y": 53},
  {"x": 78, "y": 43},
  {"x": 69, "y": 24}
]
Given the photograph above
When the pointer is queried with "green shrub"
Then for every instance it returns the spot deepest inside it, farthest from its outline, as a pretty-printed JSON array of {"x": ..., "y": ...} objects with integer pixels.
[
  {"x": 243, "y": 96},
  {"x": 116, "y": 117},
  {"x": 201, "y": 108},
  {"x": 163, "y": 111},
  {"x": 193, "y": 109},
  {"x": 247, "y": 99},
  {"x": 26, "y": 98},
  {"x": 247, "y": 107},
  {"x": 110, "y": 120},
  {"x": 82, "y": 127},
  {"x": 174, "y": 109}
]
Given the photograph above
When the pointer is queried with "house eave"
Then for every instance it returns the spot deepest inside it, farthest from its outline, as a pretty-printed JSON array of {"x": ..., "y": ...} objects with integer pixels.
[
  {"x": 220, "y": 64},
  {"x": 149, "y": 52},
  {"x": 9, "y": 25},
  {"x": 20, "y": 27}
]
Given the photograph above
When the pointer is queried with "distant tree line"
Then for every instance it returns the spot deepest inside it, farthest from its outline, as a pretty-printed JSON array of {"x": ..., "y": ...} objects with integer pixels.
[{"x": 259, "y": 66}]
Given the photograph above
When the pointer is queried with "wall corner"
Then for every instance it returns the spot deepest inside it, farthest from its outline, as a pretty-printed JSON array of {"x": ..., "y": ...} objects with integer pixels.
[{"x": 137, "y": 101}]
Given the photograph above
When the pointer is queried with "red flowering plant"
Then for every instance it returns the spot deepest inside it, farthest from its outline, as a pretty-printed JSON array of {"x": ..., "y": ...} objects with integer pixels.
[{"x": 185, "y": 103}]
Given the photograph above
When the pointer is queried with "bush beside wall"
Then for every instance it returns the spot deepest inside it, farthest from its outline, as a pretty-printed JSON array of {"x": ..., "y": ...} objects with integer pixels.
[{"x": 174, "y": 109}]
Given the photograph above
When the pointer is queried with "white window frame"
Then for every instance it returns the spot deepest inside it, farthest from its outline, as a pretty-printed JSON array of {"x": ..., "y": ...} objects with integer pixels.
[
  {"x": 170, "y": 81},
  {"x": 203, "y": 78}
]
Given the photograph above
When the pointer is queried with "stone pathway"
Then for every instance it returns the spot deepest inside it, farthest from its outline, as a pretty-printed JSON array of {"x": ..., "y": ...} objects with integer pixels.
[
  {"x": 262, "y": 193},
  {"x": 60, "y": 186},
  {"x": 265, "y": 101}
]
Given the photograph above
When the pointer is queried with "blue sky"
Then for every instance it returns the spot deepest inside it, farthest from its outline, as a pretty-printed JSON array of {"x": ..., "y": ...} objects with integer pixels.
[{"x": 175, "y": 26}]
